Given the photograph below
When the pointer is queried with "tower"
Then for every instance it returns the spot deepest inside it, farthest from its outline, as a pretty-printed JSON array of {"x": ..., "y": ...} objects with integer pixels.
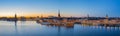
[
  {"x": 106, "y": 19},
  {"x": 15, "y": 16},
  {"x": 106, "y": 16},
  {"x": 15, "y": 19},
  {"x": 88, "y": 19},
  {"x": 87, "y": 15},
  {"x": 59, "y": 14}
]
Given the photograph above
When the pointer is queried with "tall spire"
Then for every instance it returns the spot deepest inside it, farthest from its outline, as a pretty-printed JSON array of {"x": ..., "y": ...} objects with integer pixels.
[
  {"x": 106, "y": 19},
  {"x": 88, "y": 15},
  {"x": 59, "y": 14},
  {"x": 15, "y": 16},
  {"x": 106, "y": 16}
]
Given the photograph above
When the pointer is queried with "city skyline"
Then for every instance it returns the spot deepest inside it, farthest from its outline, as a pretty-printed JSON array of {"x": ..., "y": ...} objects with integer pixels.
[
  {"x": 59, "y": 17},
  {"x": 76, "y": 8}
]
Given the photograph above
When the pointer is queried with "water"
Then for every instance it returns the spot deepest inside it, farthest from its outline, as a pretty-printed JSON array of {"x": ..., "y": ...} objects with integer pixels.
[{"x": 31, "y": 28}]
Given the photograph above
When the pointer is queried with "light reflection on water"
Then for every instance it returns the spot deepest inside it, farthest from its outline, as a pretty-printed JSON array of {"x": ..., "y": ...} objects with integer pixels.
[{"x": 31, "y": 28}]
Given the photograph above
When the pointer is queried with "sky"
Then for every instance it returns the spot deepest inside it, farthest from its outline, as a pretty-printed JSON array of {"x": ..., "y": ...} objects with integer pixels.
[{"x": 76, "y": 8}]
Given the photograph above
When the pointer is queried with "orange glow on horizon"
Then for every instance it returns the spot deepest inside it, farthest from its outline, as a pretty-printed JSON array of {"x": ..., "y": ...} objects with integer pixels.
[
  {"x": 36, "y": 14},
  {"x": 29, "y": 15}
]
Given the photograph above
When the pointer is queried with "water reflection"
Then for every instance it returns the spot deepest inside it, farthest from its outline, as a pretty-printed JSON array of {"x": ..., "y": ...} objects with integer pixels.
[
  {"x": 59, "y": 31},
  {"x": 31, "y": 28},
  {"x": 16, "y": 29},
  {"x": 101, "y": 27}
]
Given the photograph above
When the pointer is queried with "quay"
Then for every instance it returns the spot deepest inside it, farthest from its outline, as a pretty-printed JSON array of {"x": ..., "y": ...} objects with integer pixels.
[{"x": 70, "y": 21}]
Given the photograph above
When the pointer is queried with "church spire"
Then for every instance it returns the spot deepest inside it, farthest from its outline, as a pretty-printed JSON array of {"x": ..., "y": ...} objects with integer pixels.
[
  {"x": 106, "y": 16},
  {"x": 15, "y": 16},
  {"x": 59, "y": 14},
  {"x": 88, "y": 15}
]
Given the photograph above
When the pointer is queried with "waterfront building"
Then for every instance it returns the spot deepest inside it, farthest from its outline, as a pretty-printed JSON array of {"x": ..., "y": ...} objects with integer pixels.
[{"x": 106, "y": 21}]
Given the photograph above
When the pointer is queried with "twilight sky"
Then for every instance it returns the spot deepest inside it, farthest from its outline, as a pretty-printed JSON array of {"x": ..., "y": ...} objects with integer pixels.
[{"x": 68, "y": 7}]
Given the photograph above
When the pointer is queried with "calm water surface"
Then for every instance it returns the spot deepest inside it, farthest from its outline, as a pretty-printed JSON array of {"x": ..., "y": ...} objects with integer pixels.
[{"x": 31, "y": 28}]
